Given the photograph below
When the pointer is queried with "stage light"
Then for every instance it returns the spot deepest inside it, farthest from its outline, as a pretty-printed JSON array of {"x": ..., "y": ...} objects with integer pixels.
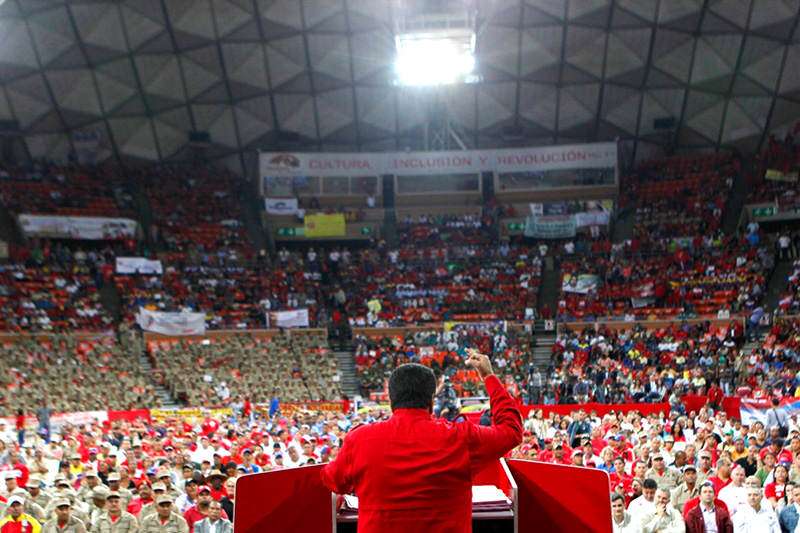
[{"x": 435, "y": 58}]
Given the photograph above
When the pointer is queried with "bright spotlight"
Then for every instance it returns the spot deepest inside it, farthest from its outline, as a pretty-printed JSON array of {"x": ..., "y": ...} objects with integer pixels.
[{"x": 435, "y": 58}]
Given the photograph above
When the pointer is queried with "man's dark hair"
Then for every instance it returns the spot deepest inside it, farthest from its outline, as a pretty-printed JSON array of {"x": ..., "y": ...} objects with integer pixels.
[
  {"x": 617, "y": 496},
  {"x": 411, "y": 386},
  {"x": 649, "y": 484}
]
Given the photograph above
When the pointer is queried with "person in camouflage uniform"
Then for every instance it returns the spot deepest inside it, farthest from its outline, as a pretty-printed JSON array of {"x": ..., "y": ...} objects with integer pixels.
[
  {"x": 114, "y": 480},
  {"x": 115, "y": 519},
  {"x": 164, "y": 520},
  {"x": 63, "y": 521}
]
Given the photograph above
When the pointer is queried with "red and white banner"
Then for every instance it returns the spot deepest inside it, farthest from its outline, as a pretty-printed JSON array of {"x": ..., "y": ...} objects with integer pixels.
[{"x": 596, "y": 155}]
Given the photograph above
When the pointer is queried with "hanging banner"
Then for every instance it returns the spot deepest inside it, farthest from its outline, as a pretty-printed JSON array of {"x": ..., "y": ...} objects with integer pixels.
[
  {"x": 325, "y": 225},
  {"x": 778, "y": 175},
  {"x": 580, "y": 283},
  {"x": 88, "y": 228},
  {"x": 755, "y": 410},
  {"x": 596, "y": 155},
  {"x": 281, "y": 206},
  {"x": 297, "y": 318},
  {"x": 598, "y": 218},
  {"x": 550, "y": 227},
  {"x": 139, "y": 265},
  {"x": 171, "y": 323}
]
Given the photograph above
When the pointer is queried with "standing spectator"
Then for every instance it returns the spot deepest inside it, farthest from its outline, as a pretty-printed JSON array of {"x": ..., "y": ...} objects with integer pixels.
[
  {"x": 777, "y": 418},
  {"x": 784, "y": 246},
  {"x": 708, "y": 517},
  {"x": 20, "y": 427},
  {"x": 755, "y": 517}
]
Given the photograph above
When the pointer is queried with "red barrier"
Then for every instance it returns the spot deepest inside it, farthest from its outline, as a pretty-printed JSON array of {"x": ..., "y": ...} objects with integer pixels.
[
  {"x": 130, "y": 416},
  {"x": 293, "y": 499},
  {"x": 601, "y": 408},
  {"x": 557, "y": 498},
  {"x": 730, "y": 404}
]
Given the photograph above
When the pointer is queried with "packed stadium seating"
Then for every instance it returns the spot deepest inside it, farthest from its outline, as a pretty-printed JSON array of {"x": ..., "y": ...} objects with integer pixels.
[
  {"x": 72, "y": 189},
  {"x": 196, "y": 207},
  {"x": 217, "y": 371},
  {"x": 445, "y": 268},
  {"x": 716, "y": 275},
  {"x": 378, "y": 354},
  {"x": 681, "y": 196},
  {"x": 643, "y": 364},
  {"x": 50, "y": 298},
  {"x": 71, "y": 374}
]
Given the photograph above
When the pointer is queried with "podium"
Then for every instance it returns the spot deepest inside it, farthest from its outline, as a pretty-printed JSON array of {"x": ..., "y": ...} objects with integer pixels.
[{"x": 544, "y": 498}]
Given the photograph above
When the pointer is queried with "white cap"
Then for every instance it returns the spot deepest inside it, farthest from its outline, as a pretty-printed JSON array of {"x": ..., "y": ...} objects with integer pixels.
[{"x": 15, "y": 498}]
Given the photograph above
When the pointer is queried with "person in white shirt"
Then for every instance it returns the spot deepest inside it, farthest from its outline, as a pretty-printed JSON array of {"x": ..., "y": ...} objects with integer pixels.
[
  {"x": 644, "y": 504},
  {"x": 754, "y": 517},
  {"x": 621, "y": 520},
  {"x": 735, "y": 494}
]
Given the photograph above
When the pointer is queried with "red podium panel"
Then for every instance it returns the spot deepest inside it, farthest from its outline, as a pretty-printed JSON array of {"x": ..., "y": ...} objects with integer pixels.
[
  {"x": 290, "y": 500},
  {"x": 556, "y": 498}
]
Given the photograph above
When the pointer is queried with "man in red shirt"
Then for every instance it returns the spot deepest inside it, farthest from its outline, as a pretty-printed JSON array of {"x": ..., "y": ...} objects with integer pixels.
[
  {"x": 723, "y": 476},
  {"x": 199, "y": 511},
  {"x": 413, "y": 472}
]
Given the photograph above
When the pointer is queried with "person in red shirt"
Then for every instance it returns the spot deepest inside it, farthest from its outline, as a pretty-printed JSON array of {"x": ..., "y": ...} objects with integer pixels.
[
  {"x": 209, "y": 425},
  {"x": 723, "y": 476},
  {"x": 199, "y": 511},
  {"x": 774, "y": 491},
  {"x": 413, "y": 472},
  {"x": 145, "y": 496},
  {"x": 216, "y": 480}
]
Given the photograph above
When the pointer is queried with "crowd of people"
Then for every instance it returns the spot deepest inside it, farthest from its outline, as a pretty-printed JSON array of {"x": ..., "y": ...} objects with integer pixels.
[
  {"x": 49, "y": 188},
  {"x": 698, "y": 276},
  {"x": 510, "y": 349},
  {"x": 74, "y": 374},
  {"x": 224, "y": 371},
  {"x": 680, "y": 196}
]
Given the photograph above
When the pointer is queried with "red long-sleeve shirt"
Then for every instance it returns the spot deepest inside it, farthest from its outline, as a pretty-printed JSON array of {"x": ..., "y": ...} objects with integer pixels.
[{"x": 414, "y": 473}]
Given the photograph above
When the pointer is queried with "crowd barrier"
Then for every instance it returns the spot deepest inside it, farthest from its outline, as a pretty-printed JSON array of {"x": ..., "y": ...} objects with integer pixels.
[{"x": 731, "y": 405}]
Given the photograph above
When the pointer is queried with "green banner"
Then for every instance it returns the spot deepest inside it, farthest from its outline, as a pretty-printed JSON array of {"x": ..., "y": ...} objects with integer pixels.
[
  {"x": 764, "y": 211},
  {"x": 292, "y": 232}
]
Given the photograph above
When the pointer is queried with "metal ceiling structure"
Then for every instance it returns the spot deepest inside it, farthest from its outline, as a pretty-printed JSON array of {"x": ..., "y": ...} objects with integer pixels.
[{"x": 318, "y": 74}]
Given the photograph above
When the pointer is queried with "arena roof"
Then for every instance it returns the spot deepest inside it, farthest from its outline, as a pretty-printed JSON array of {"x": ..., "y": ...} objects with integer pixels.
[{"x": 317, "y": 74}]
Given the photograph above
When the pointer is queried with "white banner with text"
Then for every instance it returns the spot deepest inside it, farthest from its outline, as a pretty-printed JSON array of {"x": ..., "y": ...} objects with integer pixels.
[
  {"x": 573, "y": 156},
  {"x": 281, "y": 206},
  {"x": 297, "y": 318},
  {"x": 139, "y": 265},
  {"x": 89, "y": 228},
  {"x": 171, "y": 323}
]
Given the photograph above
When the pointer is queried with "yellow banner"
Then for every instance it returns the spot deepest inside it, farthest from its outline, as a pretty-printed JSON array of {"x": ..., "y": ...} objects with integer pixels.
[
  {"x": 189, "y": 414},
  {"x": 325, "y": 225},
  {"x": 777, "y": 175}
]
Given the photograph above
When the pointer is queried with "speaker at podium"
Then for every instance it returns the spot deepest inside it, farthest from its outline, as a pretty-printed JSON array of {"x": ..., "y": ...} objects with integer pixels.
[{"x": 509, "y": 496}]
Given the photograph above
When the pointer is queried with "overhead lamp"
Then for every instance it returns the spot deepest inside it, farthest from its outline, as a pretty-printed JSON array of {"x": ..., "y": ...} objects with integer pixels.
[{"x": 435, "y": 58}]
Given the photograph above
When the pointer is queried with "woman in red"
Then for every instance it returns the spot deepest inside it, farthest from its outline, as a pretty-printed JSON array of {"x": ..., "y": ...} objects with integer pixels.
[{"x": 774, "y": 491}]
